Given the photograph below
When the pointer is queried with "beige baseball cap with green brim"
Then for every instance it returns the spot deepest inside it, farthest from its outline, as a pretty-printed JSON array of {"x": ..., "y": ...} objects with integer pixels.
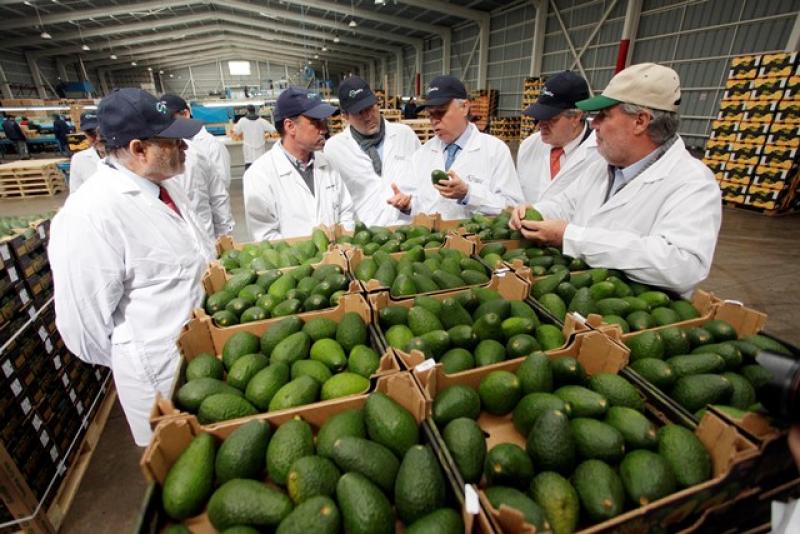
[{"x": 646, "y": 84}]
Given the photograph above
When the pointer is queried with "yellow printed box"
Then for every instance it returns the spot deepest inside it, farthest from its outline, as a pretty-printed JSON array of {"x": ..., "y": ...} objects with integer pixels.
[
  {"x": 792, "y": 91},
  {"x": 723, "y": 130},
  {"x": 784, "y": 134},
  {"x": 768, "y": 88},
  {"x": 738, "y": 173},
  {"x": 717, "y": 150},
  {"x": 788, "y": 111},
  {"x": 731, "y": 188},
  {"x": 778, "y": 156},
  {"x": 737, "y": 90},
  {"x": 771, "y": 177},
  {"x": 780, "y": 64}
]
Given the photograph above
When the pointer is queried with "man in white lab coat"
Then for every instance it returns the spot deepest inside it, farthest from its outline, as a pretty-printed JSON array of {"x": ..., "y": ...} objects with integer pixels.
[
  {"x": 648, "y": 208},
  {"x": 371, "y": 154},
  {"x": 83, "y": 164},
  {"x": 204, "y": 185},
  {"x": 552, "y": 158},
  {"x": 482, "y": 177},
  {"x": 293, "y": 187},
  {"x": 127, "y": 254},
  {"x": 252, "y": 129}
]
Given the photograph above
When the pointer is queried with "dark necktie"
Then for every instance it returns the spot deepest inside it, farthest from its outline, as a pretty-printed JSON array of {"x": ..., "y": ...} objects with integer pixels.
[{"x": 163, "y": 196}]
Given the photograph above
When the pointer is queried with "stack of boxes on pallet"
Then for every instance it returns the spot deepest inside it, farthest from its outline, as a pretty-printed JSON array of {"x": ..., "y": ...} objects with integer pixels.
[
  {"x": 483, "y": 107},
  {"x": 506, "y": 128},
  {"x": 753, "y": 146},
  {"x": 421, "y": 127},
  {"x": 530, "y": 92},
  {"x": 49, "y": 398}
]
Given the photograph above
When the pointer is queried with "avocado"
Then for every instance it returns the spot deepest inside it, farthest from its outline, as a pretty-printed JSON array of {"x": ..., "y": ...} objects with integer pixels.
[
  {"x": 462, "y": 336},
  {"x": 454, "y": 314},
  {"x": 263, "y": 386},
  {"x": 617, "y": 390},
  {"x": 454, "y": 402},
  {"x": 344, "y": 384},
  {"x": 419, "y": 488},
  {"x": 225, "y": 318},
  {"x": 364, "y": 507},
  {"x": 499, "y": 391},
  {"x": 508, "y": 465},
  {"x": 347, "y": 423},
  {"x": 558, "y": 499},
  {"x": 437, "y": 175},
  {"x": 664, "y": 316},
  {"x": 657, "y": 372},
  {"x": 441, "y": 521},
  {"x": 640, "y": 320},
  {"x": 373, "y": 460},
  {"x": 320, "y": 328},
  {"x": 363, "y": 360},
  {"x": 487, "y": 327},
  {"x": 757, "y": 375},
  {"x": 398, "y": 336},
  {"x": 567, "y": 370},
  {"x": 550, "y": 337},
  {"x": 762, "y": 342},
  {"x": 729, "y": 352},
  {"x": 292, "y": 440},
  {"x": 246, "y": 368},
  {"x": 599, "y": 489},
  {"x": 698, "y": 336},
  {"x": 675, "y": 340},
  {"x": 489, "y": 352},
  {"x": 278, "y": 332},
  {"x": 302, "y": 390},
  {"x": 531, "y": 406},
  {"x": 646, "y": 345},
  {"x": 222, "y": 407},
  {"x": 192, "y": 394},
  {"x": 521, "y": 345},
  {"x": 204, "y": 365},
  {"x": 329, "y": 352},
  {"x": 636, "y": 429},
  {"x": 390, "y": 316},
  {"x": 721, "y": 330},
  {"x": 535, "y": 374},
  {"x": 597, "y": 440},
  {"x": 554, "y": 304},
  {"x": 318, "y": 515},
  {"x": 422, "y": 320},
  {"x": 238, "y": 345},
  {"x": 584, "y": 402},
  {"x": 684, "y": 309},
  {"x": 291, "y": 349},
  {"x": 467, "y": 446},
  {"x": 190, "y": 480},
  {"x": 243, "y": 453},
  {"x": 532, "y": 513},
  {"x": 646, "y": 476},
  {"x": 686, "y": 455},
  {"x": 692, "y": 364},
  {"x": 389, "y": 424},
  {"x": 695, "y": 391},
  {"x": 550, "y": 442},
  {"x": 316, "y": 370},
  {"x": 247, "y": 502}
]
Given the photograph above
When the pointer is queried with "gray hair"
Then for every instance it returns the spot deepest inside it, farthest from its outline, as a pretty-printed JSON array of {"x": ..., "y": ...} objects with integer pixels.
[
  {"x": 663, "y": 126},
  {"x": 574, "y": 112}
]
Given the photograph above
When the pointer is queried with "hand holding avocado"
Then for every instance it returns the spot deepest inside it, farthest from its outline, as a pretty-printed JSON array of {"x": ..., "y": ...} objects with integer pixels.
[
  {"x": 550, "y": 232},
  {"x": 454, "y": 187}
]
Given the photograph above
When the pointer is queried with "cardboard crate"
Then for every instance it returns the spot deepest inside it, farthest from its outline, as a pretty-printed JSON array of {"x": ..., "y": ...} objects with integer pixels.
[
  {"x": 775, "y": 62},
  {"x": 768, "y": 88},
  {"x": 731, "y": 110},
  {"x": 783, "y": 157},
  {"x": 751, "y": 132},
  {"x": 784, "y": 134},
  {"x": 732, "y": 189},
  {"x": 792, "y": 91},
  {"x": 772, "y": 177},
  {"x": 199, "y": 335},
  {"x": 172, "y": 437},
  {"x": 788, "y": 111},
  {"x": 737, "y": 90},
  {"x": 227, "y": 242},
  {"x": 744, "y": 67},
  {"x": 723, "y": 130},
  {"x": 428, "y": 221},
  {"x": 738, "y": 173},
  {"x": 717, "y": 150},
  {"x": 745, "y": 153}
]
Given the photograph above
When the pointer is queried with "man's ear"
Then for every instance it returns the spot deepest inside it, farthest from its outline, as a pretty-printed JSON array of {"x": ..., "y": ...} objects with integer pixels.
[
  {"x": 137, "y": 147},
  {"x": 641, "y": 123}
]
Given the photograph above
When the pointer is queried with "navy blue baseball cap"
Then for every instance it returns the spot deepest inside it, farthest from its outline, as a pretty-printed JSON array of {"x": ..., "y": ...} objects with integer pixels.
[
  {"x": 129, "y": 113},
  {"x": 88, "y": 121},
  {"x": 295, "y": 101},
  {"x": 442, "y": 90},
  {"x": 175, "y": 104},
  {"x": 355, "y": 95},
  {"x": 560, "y": 93}
]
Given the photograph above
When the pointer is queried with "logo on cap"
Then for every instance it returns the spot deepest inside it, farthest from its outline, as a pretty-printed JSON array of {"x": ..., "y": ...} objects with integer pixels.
[
  {"x": 161, "y": 107},
  {"x": 547, "y": 92},
  {"x": 355, "y": 92},
  {"x": 432, "y": 89},
  {"x": 312, "y": 96}
]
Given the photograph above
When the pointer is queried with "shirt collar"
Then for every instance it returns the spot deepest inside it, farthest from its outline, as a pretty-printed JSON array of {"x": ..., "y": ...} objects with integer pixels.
[
  {"x": 143, "y": 183},
  {"x": 572, "y": 145},
  {"x": 296, "y": 162},
  {"x": 634, "y": 169},
  {"x": 462, "y": 140}
]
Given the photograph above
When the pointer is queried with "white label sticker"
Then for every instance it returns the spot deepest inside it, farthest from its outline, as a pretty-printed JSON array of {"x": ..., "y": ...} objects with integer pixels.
[
  {"x": 31, "y": 312},
  {"x": 26, "y": 405},
  {"x": 430, "y": 363},
  {"x": 736, "y": 302},
  {"x": 16, "y": 387},
  {"x": 37, "y": 423},
  {"x": 72, "y": 395},
  {"x": 65, "y": 380},
  {"x": 41, "y": 231},
  {"x": 12, "y": 274},
  {"x": 8, "y": 368},
  {"x": 578, "y": 317},
  {"x": 5, "y": 252},
  {"x": 79, "y": 407},
  {"x": 54, "y": 454},
  {"x": 24, "y": 297},
  {"x": 42, "y": 333},
  {"x": 44, "y": 438},
  {"x": 471, "y": 502},
  {"x": 57, "y": 362},
  {"x": 48, "y": 346}
]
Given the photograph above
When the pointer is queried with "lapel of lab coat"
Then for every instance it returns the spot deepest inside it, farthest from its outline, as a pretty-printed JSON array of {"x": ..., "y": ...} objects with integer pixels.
[
  {"x": 658, "y": 171},
  {"x": 574, "y": 161},
  {"x": 288, "y": 175}
]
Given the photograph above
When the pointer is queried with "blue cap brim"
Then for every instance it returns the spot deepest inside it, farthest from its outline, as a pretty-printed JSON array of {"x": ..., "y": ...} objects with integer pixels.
[
  {"x": 90, "y": 124},
  {"x": 361, "y": 105},
  {"x": 433, "y": 102},
  {"x": 320, "y": 111},
  {"x": 181, "y": 128}
]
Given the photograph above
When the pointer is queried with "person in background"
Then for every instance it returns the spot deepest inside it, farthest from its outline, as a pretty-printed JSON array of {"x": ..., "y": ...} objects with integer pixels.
[
  {"x": 481, "y": 173},
  {"x": 204, "y": 185},
  {"x": 648, "y": 208},
  {"x": 208, "y": 145},
  {"x": 128, "y": 256},
  {"x": 552, "y": 158},
  {"x": 60, "y": 132},
  {"x": 84, "y": 163},
  {"x": 293, "y": 187},
  {"x": 370, "y": 154},
  {"x": 15, "y": 134},
  {"x": 410, "y": 109},
  {"x": 252, "y": 128}
]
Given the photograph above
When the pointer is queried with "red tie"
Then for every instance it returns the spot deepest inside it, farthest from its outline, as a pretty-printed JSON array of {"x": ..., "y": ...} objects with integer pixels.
[
  {"x": 555, "y": 160},
  {"x": 163, "y": 195}
]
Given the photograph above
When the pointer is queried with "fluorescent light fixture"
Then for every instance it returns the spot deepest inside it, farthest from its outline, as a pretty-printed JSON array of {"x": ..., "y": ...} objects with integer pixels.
[
  {"x": 380, "y": 2},
  {"x": 133, "y": 63},
  {"x": 161, "y": 72},
  {"x": 171, "y": 75},
  {"x": 150, "y": 69},
  {"x": 85, "y": 48},
  {"x": 316, "y": 56},
  {"x": 352, "y": 23},
  {"x": 324, "y": 48},
  {"x": 239, "y": 68},
  {"x": 45, "y": 35},
  {"x": 113, "y": 56},
  {"x": 335, "y": 38}
]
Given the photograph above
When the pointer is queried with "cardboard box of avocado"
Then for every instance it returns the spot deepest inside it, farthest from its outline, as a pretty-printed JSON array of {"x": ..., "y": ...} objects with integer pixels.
[
  {"x": 365, "y": 463},
  {"x": 275, "y": 364},
  {"x": 564, "y": 442}
]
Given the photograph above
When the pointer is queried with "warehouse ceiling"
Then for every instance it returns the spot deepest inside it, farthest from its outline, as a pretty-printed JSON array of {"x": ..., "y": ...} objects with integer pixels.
[{"x": 171, "y": 31}]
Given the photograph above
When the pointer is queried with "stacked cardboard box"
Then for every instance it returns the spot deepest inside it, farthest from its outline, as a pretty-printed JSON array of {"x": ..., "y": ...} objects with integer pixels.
[
  {"x": 754, "y": 144},
  {"x": 506, "y": 128},
  {"x": 530, "y": 92}
]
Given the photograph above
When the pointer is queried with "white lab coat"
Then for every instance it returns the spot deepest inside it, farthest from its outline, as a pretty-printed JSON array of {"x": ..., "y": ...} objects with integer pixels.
[
  {"x": 533, "y": 166},
  {"x": 485, "y": 164},
  {"x": 660, "y": 229},
  {"x": 82, "y": 165},
  {"x": 279, "y": 205},
  {"x": 368, "y": 190},
  {"x": 254, "y": 145},
  {"x": 207, "y": 194},
  {"x": 126, "y": 271},
  {"x": 216, "y": 153}
]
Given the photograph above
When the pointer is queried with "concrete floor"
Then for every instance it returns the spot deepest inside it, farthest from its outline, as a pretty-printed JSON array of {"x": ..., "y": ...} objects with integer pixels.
[{"x": 756, "y": 262}]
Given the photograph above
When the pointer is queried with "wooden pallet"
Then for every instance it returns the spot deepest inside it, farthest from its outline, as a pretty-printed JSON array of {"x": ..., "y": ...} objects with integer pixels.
[
  {"x": 421, "y": 127},
  {"x": 31, "y": 178},
  {"x": 392, "y": 115}
]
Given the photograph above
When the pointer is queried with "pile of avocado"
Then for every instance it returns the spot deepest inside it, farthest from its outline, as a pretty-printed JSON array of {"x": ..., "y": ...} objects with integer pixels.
[
  {"x": 374, "y": 238},
  {"x": 704, "y": 365},
  {"x": 363, "y": 470},
  {"x": 541, "y": 260},
  {"x": 631, "y": 305},
  {"x": 490, "y": 228},
  {"x": 473, "y": 328},
  {"x": 275, "y": 255},
  {"x": 249, "y": 296},
  {"x": 420, "y": 271},
  {"x": 591, "y": 452},
  {"x": 11, "y": 225},
  {"x": 292, "y": 364}
]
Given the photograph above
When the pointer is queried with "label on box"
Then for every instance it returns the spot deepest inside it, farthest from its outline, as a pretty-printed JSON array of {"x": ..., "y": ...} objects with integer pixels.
[
  {"x": 430, "y": 363},
  {"x": 12, "y": 274},
  {"x": 42, "y": 333},
  {"x": 16, "y": 387},
  {"x": 8, "y": 369},
  {"x": 57, "y": 362},
  {"x": 31, "y": 312},
  {"x": 26, "y": 406},
  {"x": 37, "y": 423},
  {"x": 54, "y": 456},
  {"x": 471, "y": 502},
  {"x": 48, "y": 346},
  {"x": 5, "y": 253},
  {"x": 44, "y": 438},
  {"x": 65, "y": 380},
  {"x": 41, "y": 231},
  {"x": 72, "y": 395},
  {"x": 578, "y": 317},
  {"x": 24, "y": 297},
  {"x": 79, "y": 407}
]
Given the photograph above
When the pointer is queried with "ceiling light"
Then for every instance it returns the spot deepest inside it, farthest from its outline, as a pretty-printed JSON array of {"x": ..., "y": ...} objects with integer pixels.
[
  {"x": 133, "y": 63},
  {"x": 150, "y": 69},
  {"x": 316, "y": 56},
  {"x": 161, "y": 72},
  {"x": 45, "y": 35},
  {"x": 335, "y": 39},
  {"x": 353, "y": 23},
  {"x": 324, "y": 48},
  {"x": 171, "y": 75},
  {"x": 377, "y": 2},
  {"x": 27, "y": 3},
  {"x": 113, "y": 56},
  {"x": 85, "y": 48}
]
